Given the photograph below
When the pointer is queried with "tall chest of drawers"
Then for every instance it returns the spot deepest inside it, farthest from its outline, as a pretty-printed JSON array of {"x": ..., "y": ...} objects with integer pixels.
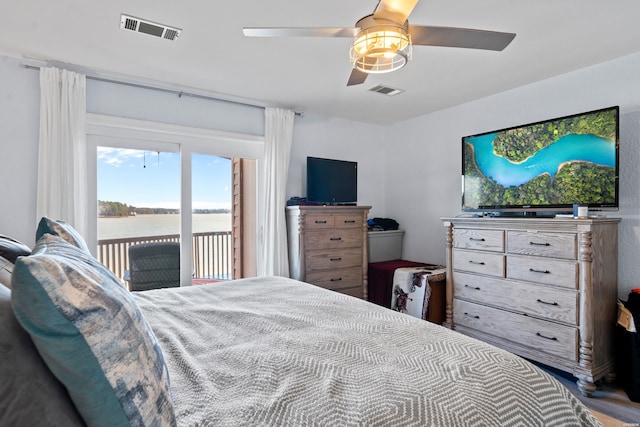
[
  {"x": 545, "y": 289},
  {"x": 328, "y": 247}
]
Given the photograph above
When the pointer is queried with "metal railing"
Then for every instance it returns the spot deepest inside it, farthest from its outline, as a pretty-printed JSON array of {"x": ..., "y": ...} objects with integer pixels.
[{"x": 212, "y": 253}]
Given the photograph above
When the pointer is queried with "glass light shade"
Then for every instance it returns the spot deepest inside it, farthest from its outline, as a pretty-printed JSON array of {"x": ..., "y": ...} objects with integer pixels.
[{"x": 381, "y": 49}]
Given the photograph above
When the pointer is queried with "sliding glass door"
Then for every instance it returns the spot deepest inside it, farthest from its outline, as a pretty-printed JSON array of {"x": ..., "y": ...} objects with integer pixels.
[{"x": 156, "y": 181}]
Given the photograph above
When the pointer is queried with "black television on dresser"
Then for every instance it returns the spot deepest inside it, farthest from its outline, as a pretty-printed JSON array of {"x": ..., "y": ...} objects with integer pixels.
[
  {"x": 332, "y": 182},
  {"x": 544, "y": 167}
]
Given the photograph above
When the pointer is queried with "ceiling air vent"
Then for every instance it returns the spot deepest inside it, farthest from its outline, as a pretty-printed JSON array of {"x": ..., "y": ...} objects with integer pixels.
[
  {"x": 147, "y": 27},
  {"x": 386, "y": 90}
]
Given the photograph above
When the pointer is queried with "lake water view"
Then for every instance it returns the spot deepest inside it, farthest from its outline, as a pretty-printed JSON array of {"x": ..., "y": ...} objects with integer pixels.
[
  {"x": 158, "y": 225},
  {"x": 572, "y": 147}
]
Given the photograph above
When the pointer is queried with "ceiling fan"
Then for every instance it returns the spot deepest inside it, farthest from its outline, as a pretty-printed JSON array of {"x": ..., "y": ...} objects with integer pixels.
[{"x": 383, "y": 40}]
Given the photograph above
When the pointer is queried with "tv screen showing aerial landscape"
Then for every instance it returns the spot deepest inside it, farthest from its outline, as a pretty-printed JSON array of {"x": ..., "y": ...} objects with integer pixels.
[{"x": 549, "y": 165}]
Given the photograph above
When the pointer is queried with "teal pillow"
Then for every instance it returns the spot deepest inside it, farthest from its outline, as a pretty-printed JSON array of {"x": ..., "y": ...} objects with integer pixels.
[
  {"x": 61, "y": 229},
  {"x": 90, "y": 332}
]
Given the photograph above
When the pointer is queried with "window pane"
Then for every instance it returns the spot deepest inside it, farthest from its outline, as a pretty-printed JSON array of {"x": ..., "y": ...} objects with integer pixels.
[
  {"x": 138, "y": 201},
  {"x": 211, "y": 204}
]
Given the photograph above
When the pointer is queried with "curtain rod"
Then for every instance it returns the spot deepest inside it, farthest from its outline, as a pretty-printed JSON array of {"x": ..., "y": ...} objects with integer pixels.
[{"x": 178, "y": 92}]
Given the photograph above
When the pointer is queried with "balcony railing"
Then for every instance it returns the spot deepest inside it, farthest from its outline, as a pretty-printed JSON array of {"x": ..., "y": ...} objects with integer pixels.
[{"x": 212, "y": 253}]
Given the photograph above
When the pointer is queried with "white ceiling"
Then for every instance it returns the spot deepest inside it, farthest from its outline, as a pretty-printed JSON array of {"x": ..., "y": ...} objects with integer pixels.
[{"x": 310, "y": 74}]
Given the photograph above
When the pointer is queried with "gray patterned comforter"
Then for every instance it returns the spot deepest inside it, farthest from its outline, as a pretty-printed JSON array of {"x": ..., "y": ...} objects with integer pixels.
[{"x": 277, "y": 352}]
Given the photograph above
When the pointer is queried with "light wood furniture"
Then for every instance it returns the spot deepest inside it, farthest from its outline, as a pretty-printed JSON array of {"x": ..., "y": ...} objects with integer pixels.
[
  {"x": 328, "y": 247},
  {"x": 545, "y": 289}
]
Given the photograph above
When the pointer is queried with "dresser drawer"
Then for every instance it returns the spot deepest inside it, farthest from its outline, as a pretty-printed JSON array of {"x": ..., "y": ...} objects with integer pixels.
[
  {"x": 551, "y": 303},
  {"x": 336, "y": 238},
  {"x": 337, "y": 279},
  {"x": 331, "y": 259},
  {"x": 542, "y": 270},
  {"x": 554, "y": 245},
  {"x": 548, "y": 337},
  {"x": 479, "y": 262},
  {"x": 349, "y": 221},
  {"x": 485, "y": 240},
  {"x": 319, "y": 222}
]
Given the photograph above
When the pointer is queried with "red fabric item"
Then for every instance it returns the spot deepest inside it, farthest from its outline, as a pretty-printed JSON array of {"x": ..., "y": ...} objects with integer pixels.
[{"x": 381, "y": 279}]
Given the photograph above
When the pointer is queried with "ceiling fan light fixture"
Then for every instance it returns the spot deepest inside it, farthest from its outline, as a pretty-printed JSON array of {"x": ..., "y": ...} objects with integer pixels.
[{"x": 381, "y": 48}]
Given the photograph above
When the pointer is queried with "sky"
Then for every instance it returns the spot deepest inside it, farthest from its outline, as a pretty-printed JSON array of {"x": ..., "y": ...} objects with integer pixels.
[{"x": 151, "y": 179}]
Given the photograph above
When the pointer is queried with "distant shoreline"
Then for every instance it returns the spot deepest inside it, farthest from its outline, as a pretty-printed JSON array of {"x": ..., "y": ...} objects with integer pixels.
[{"x": 197, "y": 212}]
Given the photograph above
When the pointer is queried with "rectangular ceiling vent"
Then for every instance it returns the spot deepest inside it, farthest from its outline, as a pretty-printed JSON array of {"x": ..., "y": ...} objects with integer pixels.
[
  {"x": 386, "y": 90},
  {"x": 147, "y": 27}
]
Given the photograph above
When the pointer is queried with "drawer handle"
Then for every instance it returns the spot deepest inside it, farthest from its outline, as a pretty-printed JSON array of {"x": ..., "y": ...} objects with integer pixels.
[
  {"x": 335, "y": 238},
  {"x": 349, "y": 221},
  {"x": 539, "y": 244},
  {"x": 533, "y": 270},
  {"x": 545, "y": 302},
  {"x": 339, "y": 279},
  {"x": 476, "y": 262},
  {"x": 336, "y": 259},
  {"x": 472, "y": 287},
  {"x": 473, "y": 239},
  {"x": 545, "y": 337},
  {"x": 471, "y": 315},
  {"x": 317, "y": 221}
]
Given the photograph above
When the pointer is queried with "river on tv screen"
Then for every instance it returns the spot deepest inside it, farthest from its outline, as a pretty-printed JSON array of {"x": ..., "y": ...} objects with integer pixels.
[{"x": 562, "y": 162}]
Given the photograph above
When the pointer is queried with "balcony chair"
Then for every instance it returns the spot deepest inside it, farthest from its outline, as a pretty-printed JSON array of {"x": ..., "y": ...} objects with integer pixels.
[{"x": 153, "y": 266}]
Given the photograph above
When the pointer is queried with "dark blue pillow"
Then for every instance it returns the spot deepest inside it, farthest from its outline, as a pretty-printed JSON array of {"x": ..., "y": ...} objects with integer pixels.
[
  {"x": 29, "y": 392},
  {"x": 10, "y": 250}
]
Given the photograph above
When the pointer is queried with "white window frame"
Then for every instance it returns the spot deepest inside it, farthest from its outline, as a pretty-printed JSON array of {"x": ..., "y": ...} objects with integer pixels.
[{"x": 120, "y": 132}]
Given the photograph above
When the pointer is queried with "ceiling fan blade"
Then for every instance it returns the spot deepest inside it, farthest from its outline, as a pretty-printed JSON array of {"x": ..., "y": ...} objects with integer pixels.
[
  {"x": 395, "y": 10},
  {"x": 459, "y": 37},
  {"x": 299, "y": 32},
  {"x": 357, "y": 77}
]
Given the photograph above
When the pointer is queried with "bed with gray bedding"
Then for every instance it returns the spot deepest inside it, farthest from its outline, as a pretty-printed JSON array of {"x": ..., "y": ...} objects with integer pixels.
[
  {"x": 78, "y": 348},
  {"x": 278, "y": 352}
]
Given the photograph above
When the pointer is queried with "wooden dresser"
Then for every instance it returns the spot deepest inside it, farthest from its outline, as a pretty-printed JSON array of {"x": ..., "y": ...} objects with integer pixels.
[
  {"x": 545, "y": 289},
  {"x": 328, "y": 247}
]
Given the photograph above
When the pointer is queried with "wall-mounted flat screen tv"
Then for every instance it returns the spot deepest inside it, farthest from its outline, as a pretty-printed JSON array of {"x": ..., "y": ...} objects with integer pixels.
[
  {"x": 546, "y": 166},
  {"x": 332, "y": 182}
]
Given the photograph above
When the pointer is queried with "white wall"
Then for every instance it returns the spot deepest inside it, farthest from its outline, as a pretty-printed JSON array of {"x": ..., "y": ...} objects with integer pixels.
[
  {"x": 19, "y": 128},
  {"x": 313, "y": 135},
  {"x": 423, "y": 171},
  {"x": 167, "y": 107},
  {"x": 319, "y": 136},
  {"x": 408, "y": 171}
]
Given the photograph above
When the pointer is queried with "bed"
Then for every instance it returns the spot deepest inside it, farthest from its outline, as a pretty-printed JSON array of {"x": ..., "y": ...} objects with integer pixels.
[{"x": 265, "y": 351}]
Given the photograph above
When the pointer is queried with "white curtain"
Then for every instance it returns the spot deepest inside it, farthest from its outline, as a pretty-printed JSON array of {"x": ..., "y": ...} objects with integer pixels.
[
  {"x": 62, "y": 158},
  {"x": 273, "y": 258}
]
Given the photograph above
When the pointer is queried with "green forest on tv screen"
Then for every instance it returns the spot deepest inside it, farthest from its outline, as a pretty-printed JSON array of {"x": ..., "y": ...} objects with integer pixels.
[{"x": 574, "y": 178}]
